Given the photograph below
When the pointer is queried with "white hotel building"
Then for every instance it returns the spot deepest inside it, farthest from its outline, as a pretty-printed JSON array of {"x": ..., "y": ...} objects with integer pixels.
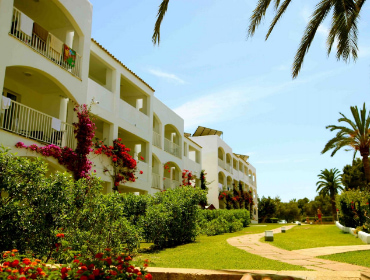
[{"x": 41, "y": 83}]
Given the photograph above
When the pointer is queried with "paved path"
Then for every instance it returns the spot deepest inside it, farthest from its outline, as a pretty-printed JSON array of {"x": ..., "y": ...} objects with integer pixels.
[{"x": 305, "y": 257}]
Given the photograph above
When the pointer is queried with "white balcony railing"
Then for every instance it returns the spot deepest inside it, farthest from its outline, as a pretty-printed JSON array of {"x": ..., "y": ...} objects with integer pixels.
[
  {"x": 167, "y": 184},
  {"x": 156, "y": 181},
  {"x": 170, "y": 184},
  {"x": 44, "y": 47},
  {"x": 229, "y": 168},
  {"x": 172, "y": 148},
  {"x": 30, "y": 123},
  {"x": 157, "y": 139},
  {"x": 221, "y": 163}
]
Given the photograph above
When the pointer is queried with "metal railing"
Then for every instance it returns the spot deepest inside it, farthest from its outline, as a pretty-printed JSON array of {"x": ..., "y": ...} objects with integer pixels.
[
  {"x": 43, "y": 47},
  {"x": 156, "y": 181},
  {"x": 172, "y": 148},
  {"x": 33, "y": 124},
  {"x": 157, "y": 139}
]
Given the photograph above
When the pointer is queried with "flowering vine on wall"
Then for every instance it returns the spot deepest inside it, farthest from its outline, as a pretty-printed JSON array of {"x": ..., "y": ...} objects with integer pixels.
[
  {"x": 124, "y": 165},
  {"x": 76, "y": 161}
]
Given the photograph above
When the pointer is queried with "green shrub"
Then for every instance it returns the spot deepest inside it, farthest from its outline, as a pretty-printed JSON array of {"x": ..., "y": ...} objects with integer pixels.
[
  {"x": 35, "y": 208},
  {"x": 353, "y": 204},
  {"x": 171, "y": 216},
  {"x": 214, "y": 222}
]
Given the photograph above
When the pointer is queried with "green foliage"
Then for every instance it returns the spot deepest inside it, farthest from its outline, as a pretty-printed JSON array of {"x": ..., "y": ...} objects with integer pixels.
[
  {"x": 354, "y": 208},
  {"x": 171, "y": 216},
  {"x": 353, "y": 176},
  {"x": 35, "y": 208},
  {"x": 288, "y": 211},
  {"x": 354, "y": 136},
  {"x": 214, "y": 222},
  {"x": 266, "y": 208}
]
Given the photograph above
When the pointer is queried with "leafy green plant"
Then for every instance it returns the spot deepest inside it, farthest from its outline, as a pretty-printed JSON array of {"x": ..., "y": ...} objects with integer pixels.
[
  {"x": 171, "y": 217},
  {"x": 353, "y": 206}
]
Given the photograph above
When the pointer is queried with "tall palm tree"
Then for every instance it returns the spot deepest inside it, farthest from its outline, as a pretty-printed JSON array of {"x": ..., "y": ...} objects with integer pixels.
[
  {"x": 356, "y": 136},
  {"x": 329, "y": 184},
  {"x": 343, "y": 27}
]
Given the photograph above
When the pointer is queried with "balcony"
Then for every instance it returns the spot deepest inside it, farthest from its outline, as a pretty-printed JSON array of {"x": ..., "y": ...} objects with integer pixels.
[
  {"x": 49, "y": 46},
  {"x": 156, "y": 181},
  {"x": 157, "y": 139},
  {"x": 221, "y": 163},
  {"x": 229, "y": 168},
  {"x": 33, "y": 124},
  {"x": 172, "y": 148},
  {"x": 171, "y": 184}
]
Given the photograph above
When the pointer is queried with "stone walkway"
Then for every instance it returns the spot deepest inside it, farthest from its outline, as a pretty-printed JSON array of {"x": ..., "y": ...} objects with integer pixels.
[{"x": 304, "y": 257}]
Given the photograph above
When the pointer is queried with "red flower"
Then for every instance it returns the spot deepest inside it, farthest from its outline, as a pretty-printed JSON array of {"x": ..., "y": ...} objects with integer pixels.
[
  {"x": 148, "y": 276},
  {"x": 83, "y": 277},
  {"x": 119, "y": 139},
  {"x": 99, "y": 255},
  {"x": 142, "y": 158},
  {"x": 96, "y": 272},
  {"x": 141, "y": 172}
]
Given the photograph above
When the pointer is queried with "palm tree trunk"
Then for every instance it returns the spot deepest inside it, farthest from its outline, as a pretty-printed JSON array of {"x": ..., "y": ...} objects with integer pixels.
[
  {"x": 365, "y": 161},
  {"x": 333, "y": 208}
]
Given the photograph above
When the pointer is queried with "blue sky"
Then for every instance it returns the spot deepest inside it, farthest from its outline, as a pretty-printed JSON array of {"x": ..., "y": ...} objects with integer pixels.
[{"x": 207, "y": 71}]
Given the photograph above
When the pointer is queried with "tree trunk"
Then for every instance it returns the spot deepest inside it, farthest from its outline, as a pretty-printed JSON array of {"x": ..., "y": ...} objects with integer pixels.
[
  {"x": 365, "y": 161},
  {"x": 333, "y": 207}
]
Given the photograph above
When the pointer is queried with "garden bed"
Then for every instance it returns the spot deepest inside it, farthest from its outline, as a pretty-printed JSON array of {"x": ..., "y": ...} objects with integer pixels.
[{"x": 365, "y": 237}]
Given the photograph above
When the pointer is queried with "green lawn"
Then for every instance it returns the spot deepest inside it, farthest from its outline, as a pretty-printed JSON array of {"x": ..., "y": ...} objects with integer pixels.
[
  {"x": 215, "y": 253},
  {"x": 358, "y": 257},
  {"x": 311, "y": 236}
]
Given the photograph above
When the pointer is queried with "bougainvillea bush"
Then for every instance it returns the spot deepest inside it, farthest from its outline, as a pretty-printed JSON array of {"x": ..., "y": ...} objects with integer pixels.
[
  {"x": 76, "y": 161},
  {"x": 354, "y": 209},
  {"x": 103, "y": 265},
  {"x": 124, "y": 165}
]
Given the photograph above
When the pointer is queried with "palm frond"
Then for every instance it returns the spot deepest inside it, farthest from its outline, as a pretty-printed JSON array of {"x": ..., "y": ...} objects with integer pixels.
[
  {"x": 321, "y": 11},
  {"x": 278, "y": 15},
  {"x": 157, "y": 27},
  {"x": 258, "y": 14}
]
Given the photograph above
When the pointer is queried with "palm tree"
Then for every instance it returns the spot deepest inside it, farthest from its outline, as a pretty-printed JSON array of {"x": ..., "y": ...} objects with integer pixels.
[
  {"x": 343, "y": 28},
  {"x": 356, "y": 137},
  {"x": 329, "y": 184}
]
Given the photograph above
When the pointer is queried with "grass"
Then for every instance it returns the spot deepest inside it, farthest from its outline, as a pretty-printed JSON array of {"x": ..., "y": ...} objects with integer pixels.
[
  {"x": 357, "y": 257},
  {"x": 312, "y": 236},
  {"x": 214, "y": 253}
]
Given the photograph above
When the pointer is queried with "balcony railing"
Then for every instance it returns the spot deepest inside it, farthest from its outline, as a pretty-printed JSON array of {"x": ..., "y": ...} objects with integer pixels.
[
  {"x": 156, "y": 181},
  {"x": 45, "y": 47},
  {"x": 30, "y": 123},
  {"x": 229, "y": 168},
  {"x": 157, "y": 139},
  {"x": 170, "y": 184},
  {"x": 221, "y": 163},
  {"x": 172, "y": 148}
]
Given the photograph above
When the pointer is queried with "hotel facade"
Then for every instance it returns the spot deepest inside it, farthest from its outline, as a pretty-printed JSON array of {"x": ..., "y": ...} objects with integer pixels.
[{"x": 49, "y": 63}]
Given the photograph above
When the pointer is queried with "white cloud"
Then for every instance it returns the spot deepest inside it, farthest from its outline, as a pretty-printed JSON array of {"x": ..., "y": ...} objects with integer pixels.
[
  {"x": 232, "y": 103},
  {"x": 165, "y": 75}
]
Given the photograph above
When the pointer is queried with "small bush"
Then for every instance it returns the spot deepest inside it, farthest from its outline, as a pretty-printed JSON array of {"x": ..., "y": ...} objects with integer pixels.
[{"x": 222, "y": 221}]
